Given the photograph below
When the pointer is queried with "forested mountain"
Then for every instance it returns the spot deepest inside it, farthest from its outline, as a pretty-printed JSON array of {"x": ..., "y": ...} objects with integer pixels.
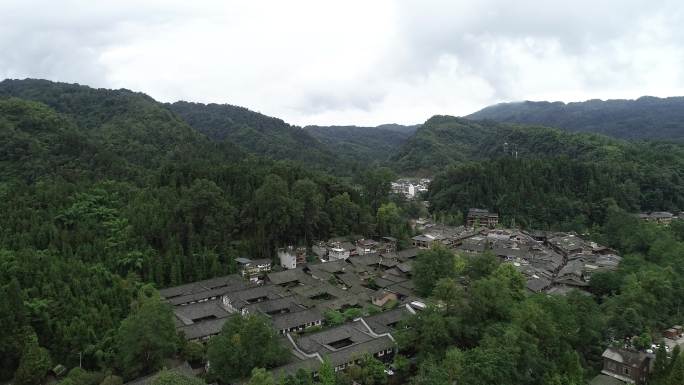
[
  {"x": 446, "y": 140},
  {"x": 255, "y": 133},
  {"x": 103, "y": 191},
  {"x": 563, "y": 193},
  {"x": 363, "y": 144},
  {"x": 541, "y": 177},
  {"x": 643, "y": 118},
  {"x": 106, "y": 195}
]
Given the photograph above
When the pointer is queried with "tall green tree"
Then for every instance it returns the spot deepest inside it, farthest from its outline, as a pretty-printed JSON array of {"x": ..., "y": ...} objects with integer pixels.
[
  {"x": 34, "y": 364},
  {"x": 390, "y": 221},
  {"x": 146, "y": 336},
  {"x": 326, "y": 373},
  {"x": 343, "y": 213},
  {"x": 168, "y": 377},
  {"x": 261, "y": 377},
  {"x": 273, "y": 209},
  {"x": 13, "y": 319},
  {"x": 376, "y": 184},
  {"x": 369, "y": 371},
  {"x": 430, "y": 266},
  {"x": 245, "y": 342},
  {"x": 308, "y": 205}
]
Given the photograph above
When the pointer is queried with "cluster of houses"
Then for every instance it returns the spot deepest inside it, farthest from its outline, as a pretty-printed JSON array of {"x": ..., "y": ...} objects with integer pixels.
[
  {"x": 552, "y": 262},
  {"x": 662, "y": 217},
  {"x": 369, "y": 274},
  {"x": 409, "y": 188},
  {"x": 296, "y": 298}
]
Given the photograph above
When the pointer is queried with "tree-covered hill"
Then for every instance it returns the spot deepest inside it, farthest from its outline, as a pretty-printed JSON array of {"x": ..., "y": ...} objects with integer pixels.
[
  {"x": 447, "y": 140},
  {"x": 103, "y": 191},
  {"x": 255, "y": 133},
  {"x": 643, "y": 118},
  {"x": 541, "y": 177},
  {"x": 363, "y": 144}
]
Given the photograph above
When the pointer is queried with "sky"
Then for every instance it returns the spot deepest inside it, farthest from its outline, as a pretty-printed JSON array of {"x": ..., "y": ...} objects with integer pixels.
[{"x": 351, "y": 62}]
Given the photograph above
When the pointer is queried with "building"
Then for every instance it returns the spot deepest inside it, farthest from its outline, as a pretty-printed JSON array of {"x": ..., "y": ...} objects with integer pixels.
[
  {"x": 237, "y": 301},
  {"x": 626, "y": 365},
  {"x": 425, "y": 241},
  {"x": 291, "y": 257},
  {"x": 663, "y": 217},
  {"x": 297, "y": 321},
  {"x": 201, "y": 320},
  {"x": 202, "y": 291},
  {"x": 338, "y": 253},
  {"x": 344, "y": 345},
  {"x": 481, "y": 217},
  {"x": 366, "y": 246},
  {"x": 253, "y": 268},
  {"x": 383, "y": 296}
]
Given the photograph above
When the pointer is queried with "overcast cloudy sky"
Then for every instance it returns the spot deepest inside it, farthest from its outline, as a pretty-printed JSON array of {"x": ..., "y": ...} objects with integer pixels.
[{"x": 351, "y": 62}]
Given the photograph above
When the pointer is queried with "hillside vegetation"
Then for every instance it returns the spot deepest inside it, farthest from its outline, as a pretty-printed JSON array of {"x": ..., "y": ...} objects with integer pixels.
[
  {"x": 447, "y": 140},
  {"x": 104, "y": 191},
  {"x": 364, "y": 145},
  {"x": 255, "y": 133},
  {"x": 643, "y": 118},
  {"x": 107, "y": 195}
]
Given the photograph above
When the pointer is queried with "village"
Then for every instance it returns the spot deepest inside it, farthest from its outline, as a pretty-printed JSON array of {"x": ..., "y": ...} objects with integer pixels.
[
  {"x": 410, "y": 188},
  {"x": 345, "y": 297}
]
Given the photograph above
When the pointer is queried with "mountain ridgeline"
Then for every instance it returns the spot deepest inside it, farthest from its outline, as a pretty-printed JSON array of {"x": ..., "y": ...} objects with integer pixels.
[
  {"x": 447, "y": 140},
  {"x": 643, "y": 118},
  {"x": 367, "y": 145},
  {"x": 255, "y": 133}
]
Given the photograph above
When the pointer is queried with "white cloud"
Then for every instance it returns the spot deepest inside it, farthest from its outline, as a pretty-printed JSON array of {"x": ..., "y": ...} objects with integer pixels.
[{"x": 358, "y": 62}]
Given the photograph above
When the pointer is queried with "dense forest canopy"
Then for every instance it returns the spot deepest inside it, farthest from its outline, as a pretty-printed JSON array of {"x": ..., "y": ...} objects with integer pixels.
[
  {"x": 643, "y": 118},
  {"x": 367, "y": 145},
  {"x": 446, "y": 140},
  {"x": 108, "y": 195},
  {"x": 255, "y": 133},
  {"x": 104, "y": 190}
]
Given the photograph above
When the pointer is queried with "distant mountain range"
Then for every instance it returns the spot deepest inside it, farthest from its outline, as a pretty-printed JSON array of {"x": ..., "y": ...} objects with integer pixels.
[
  {"x": 643, "y": 118},
  {"x": 133, "y": 124},
  {"x": 448, "y": 140}
]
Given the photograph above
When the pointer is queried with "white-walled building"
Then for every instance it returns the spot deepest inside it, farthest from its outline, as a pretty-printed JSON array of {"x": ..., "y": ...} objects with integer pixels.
[{"x": 288, "y": 258}]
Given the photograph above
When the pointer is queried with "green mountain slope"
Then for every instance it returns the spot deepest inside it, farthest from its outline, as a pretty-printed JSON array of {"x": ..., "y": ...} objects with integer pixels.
[
  {"x": 363, "y": 144},
  {"x": 103, "y": 191},
  {"x": 541, "y": 177},
  {"x": 255, "y": 133},
  {"x": 446, "y": 140},
  {"x": 129, "y": 127},
  {"x": 643, "y": 118}
]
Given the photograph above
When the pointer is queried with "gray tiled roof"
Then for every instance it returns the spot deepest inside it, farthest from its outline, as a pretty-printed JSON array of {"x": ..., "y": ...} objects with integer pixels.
[
  {"x": 291, "y": 320},
  {"x": 228, "y": 282},
  {"x": 285, "y": 304},
  {"x": 384, "y": 322},
  {"x": 242, "y": 298},
  {"x": 189, "y": 313},
  {"x": 195, "y": 297},
  {"x": 356, "y": 351},
  {"x": 287, "y": 276},
  {"x": 203, "y": 329},
  {"x": 407, "y": 254}
]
